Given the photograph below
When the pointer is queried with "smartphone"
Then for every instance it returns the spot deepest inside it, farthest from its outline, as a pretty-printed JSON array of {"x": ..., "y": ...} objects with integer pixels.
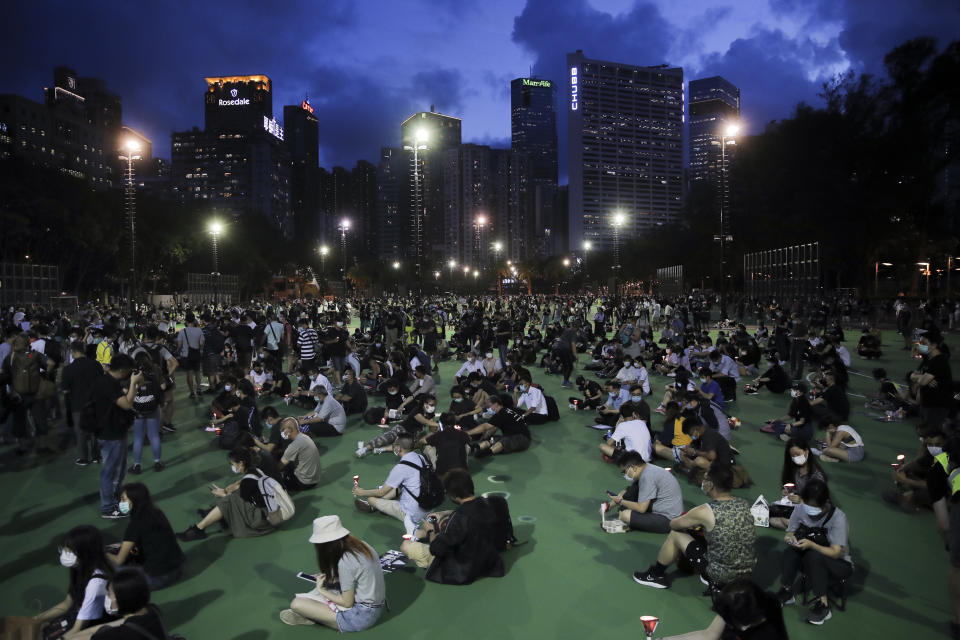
[
  {"x": 309, "y": 577},
  {"x": 611, "y": 493}
]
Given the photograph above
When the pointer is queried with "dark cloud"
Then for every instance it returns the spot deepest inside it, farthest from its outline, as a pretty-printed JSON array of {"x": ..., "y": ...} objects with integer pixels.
[{"x": 444, "y": 88}]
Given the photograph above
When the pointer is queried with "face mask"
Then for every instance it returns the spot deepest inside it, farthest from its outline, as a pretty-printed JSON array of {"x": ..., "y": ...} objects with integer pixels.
[
  {"x": 703, "y": 487},
  {"x": 812, "y": 511},
  {"x": 109, "y": 606},
  {"x": 488, "y": 413},
  {"x": 283, "y": 434},
  {"x": 233, "y": 467},
  {"x": 339, "y": 324},
  {"x": 627, "y": 363},
  {"x": 923, "y": 348},
  {"x": 934, "y": 451},
  {"x": 227, "y": 387},
  {"x": 612, "y": 394},
  {"x": 429, "y": 409},
  {"x": 489, "y": 355},
  {"x": 703, "y": 380},
  {"x": 124, "y": 507},
  {"x": 458, "y": 399},
  {"x": 378, "y": 344},
  {"x": 800, "y": 460},
  {"x": 68, "y": 558},
  {"x": 795, "y": 394},
  {"x": 636, "y": 398},
  {"x": 392, "y": 393},
  {"x": 626, "y": 476}
]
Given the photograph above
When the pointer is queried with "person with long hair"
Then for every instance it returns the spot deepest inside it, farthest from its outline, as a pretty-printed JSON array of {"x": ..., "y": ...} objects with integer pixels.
[
  {"x": 128, "y": 596},
  {"x": 744, "y": 612},
  {"x": 146, "y": 406},
  {"x": 149, "y": 539},
  {"x": 350, "y": 594},
  {"x": 241, "y": 505},
  {"x": 799, "y": 467},
  {"x": 84, "y": 606}
]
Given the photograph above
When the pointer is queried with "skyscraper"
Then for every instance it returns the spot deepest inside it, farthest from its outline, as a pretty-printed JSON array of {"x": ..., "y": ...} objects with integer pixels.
[
  {"x": 714, "y": 104},
  {"x": 302, "y": 140},
  {"x": 533, "y": 131},
  {"x": 626, "y": 148},
  {"x": 390, "y": 222}
]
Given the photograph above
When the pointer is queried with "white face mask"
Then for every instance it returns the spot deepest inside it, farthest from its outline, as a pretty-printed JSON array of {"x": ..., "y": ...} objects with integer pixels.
[
  {"x": 68, "y": 558},
  {"x": 934, "y": 451},
  {"x": 429, "y": 409},
  {"x": 283, "y": 434},
  {"x": 626, "y": 476},
  {"x": 227, "y": 387},
  {"x": 703, "y": 487},
  {"x": 489, "y": 355},
  {"x": 233, "y": 467},
  {"x": 800, "y": 460},
  {"x": 795, "y": 394},
  {"x": 110, "y": 606}
]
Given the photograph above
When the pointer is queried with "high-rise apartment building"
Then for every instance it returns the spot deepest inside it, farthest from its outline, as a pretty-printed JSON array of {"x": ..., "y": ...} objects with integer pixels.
[
  {"x": 302, "y": 140},
  {"x": 533, "y": 131},
  {"x": 391, "y": 219},
  {"x": 714, "y": 105},
  {"x": 625, "y": 129}
]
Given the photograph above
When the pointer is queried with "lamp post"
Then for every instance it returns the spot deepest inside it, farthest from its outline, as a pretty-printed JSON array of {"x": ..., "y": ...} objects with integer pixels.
[
  {"x": 419, "y": 144},
  {"x": 396, "y": 277},
  {"x": 478, "y": 222},
  {"x": 926, "y": 271},
  {"x": 215, "y": 229},
  {"x": 619, "y": 218},
  {"x": 324, "y": 250},
  {"x": 729, "y": 133},
  {"x": 452, "y": 264},
  {"x": 876, "y": 275},
  {"x": 131, "y": 152},
  {"x": 343, "y": 227}
]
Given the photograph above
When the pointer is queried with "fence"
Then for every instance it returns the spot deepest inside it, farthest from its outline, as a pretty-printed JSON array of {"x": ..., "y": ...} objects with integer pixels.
[
  {"x": 786, "y": 274},
  {"x": 28, "y": 283},
  {"x": 670, "y": 280},
  {"x": 212, "y": 288}
]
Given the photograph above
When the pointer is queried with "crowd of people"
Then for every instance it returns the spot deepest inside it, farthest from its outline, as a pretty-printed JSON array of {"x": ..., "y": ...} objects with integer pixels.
[{"x": 102, "y": 380}]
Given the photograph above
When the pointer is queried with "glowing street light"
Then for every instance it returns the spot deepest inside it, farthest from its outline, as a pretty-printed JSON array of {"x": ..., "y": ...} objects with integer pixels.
[
  {"x": 396, "y": 265},
  {"x": 619, "y": 219},
  {"x": 566, "y": 262},
  {"x": 215, "y": 228},
  {"x": 343, "y": 227},
  {"x": 420, "y": 137},
  {"x": 324, "y": 250},
  {"x": 131, "y": 152},
  {"x": 478, "y": 223}
]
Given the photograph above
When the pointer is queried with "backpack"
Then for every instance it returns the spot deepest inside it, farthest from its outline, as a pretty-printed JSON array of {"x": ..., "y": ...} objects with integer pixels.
[
  {"x": 279, "y": 505},
  {"x": 147, "y": 398},
  {"x": 25, "y": 372},
  {"x": 229, "y": 433},
  {"x": 213, "y": 340},
  {"x": 553, "y": 412},
  {"x": 503, "y": 536},
  {"x": 431, "y": 488}
]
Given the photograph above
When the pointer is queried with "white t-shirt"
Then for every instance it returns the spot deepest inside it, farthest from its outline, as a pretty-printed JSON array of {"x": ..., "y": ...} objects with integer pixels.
[
  {"x": 534, "y": 399},
  {"x": 92, "y": 607},
  {"x": 406, "y": 480},
  {"x": 467, "y": 368},
  {"x": 852, "y": 433},
  {"x": 321, "y": 380},
  {"x": 635, "y": 436}
]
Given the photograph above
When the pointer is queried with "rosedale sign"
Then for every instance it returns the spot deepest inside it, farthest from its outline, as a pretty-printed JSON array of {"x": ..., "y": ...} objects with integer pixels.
[
  {"x": 238, "y": 102},
  {"x": 527, "y": 82}
]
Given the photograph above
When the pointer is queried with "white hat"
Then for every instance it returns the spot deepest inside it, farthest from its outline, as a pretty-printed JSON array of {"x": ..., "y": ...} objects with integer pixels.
[{"x": 327, "y": 529}]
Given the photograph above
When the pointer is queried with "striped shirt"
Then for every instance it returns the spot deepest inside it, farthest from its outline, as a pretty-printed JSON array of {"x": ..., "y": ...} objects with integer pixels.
[{"x": 307, "y": 340}]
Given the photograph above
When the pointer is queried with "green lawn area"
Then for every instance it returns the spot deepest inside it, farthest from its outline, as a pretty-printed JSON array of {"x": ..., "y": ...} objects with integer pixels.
[{"x": 571, "y": 580}]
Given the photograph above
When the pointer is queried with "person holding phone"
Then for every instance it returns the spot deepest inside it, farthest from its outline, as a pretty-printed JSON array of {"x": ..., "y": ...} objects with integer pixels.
[
  {"x": 350, "y": 594},
  {"x": 799, "y": 467}
]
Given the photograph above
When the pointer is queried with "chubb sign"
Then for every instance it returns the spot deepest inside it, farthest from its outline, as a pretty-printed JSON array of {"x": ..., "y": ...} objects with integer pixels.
[{"x": 574, "y": 89}]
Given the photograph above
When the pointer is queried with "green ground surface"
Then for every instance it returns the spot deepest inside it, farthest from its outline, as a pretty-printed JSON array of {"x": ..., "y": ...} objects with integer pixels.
[{"x": 571, "y": 580}]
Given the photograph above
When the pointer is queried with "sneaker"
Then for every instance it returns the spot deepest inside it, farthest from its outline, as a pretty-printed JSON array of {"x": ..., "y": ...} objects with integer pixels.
[
  {"x": 784, "y": 437},
  {"x": 605, "y": 457},
  {"x": 735, "y": 451},
  {"x": 159, "y": 466},
  {"x": 363, "y": 505},
  {"x": 135, "y": 469},
  {"x": 767, "y": 428},
  {"x": 81, "y": 462},
  {"x": 566, "y": 384},
  {"x": 648, "y": 579},
  {"x": 291, "y": 617},
  {"x": 169, "y": 428},
  {"x": 660, "y": 409},
  {"x": 113, "y": 515},
  {"x": 819, "y": 613},
  {"x": 825, "y": 458},
  {"x": 785, "y": 596},
  {"x": 598, "y": 426},
  {"x": 483, "y": 453},
  {"x": 192, "y": 395},
  {"x": 191, "y": 534}
]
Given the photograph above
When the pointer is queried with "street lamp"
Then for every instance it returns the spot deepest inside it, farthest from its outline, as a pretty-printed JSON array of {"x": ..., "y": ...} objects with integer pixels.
[
  {"x": 926, "y": 271},
  {"x": 729, "y": 132},
  {"x": 876, "y": 275},
  {"x": 478, "y": 224},
  {"x": 420, "y": 137},
  {"x": 343, "y": 227},
  {"x": 619, "y": 218},
  {"x": 216, "y": 228},
  {"x": 131, "y": 152},
  {"x": 324, "y": 250}
]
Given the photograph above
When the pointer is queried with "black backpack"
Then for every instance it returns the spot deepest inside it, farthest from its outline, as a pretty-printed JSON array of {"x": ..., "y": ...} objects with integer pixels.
[
  {"x": 147, "y": 397},
  {"x": 431, "y": 488},
  {"x": 553, "y": 412},
  {"x": 503, "y": 536}
]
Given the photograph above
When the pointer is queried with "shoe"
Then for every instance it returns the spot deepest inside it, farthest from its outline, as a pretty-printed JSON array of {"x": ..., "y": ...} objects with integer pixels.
[
  {"x": 598, "y": 426},
  {"x": 113, "y": 515},
  {"x": 363, "y": 505},
  {"x": 81, "y": 462},
  {"x": 566, "y": 385},
  {"x": 193, "y": 395},
  {"x": 605, "y": 457},
  {"x": 661, "y": 410},
  {"x": 135, "y": 469},
  {"x": 751, "y": 392},
  {"x": 169, "y": 428},
  {"x": 98, "y": 460},
  {"x": 767, "y": 428},
  {"x": 785, "y": 596},
  {"x": 826, "y": 458},
  {"x": 819, "y": 613},
  {"x": 291, "y": 617},
  {"x": 784, "y": 437},
  {"x": 191, "y": 534},
  {"x": 648, "y": 579},
  {"x": 159, "y": 466},
  {"x": 483, "y": 453}
]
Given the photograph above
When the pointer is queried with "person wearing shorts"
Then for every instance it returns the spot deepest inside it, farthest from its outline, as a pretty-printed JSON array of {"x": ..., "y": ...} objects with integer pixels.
[
  {"x": 653, "y": 498},
  {"x": 515, "y": 436}
]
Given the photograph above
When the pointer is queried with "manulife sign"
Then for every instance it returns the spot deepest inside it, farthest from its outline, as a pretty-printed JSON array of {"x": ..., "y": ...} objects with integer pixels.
[{"x": 527, "y": 82}]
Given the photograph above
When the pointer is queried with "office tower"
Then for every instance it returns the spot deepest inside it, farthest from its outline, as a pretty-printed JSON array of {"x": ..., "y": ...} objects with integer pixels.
[
  {"x": 302, "y": 141},
  {"x": 714, "y": 105},
  {"x": 239, "y": 164},
  {"x": 625, "y": 129},
  {"x": 533, "y": 131},
  {"x": 363, "y": 197},
  {"x": 391, "y": 172}
]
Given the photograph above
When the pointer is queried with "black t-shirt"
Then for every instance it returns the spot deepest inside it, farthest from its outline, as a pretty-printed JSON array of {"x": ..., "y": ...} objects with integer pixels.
[
  {"x": 837, "y": 401},
  {"x": 151, "y": 532},
  {"x": 777, "y": 379},
  {"x": 358, "y": 398},
  {"x": 242, "y": 336},
  {"x": 510, "y": 422},
  {"x": 410, "y": 423},
  {"x": 394, "y": 401},
  {"x": 938, "y": 485},
  {"x": 800, "y": 408},
  {"x": 79, "y": 378},
  {"x": 942, "y": 394},
  {"x": 451, "y": 451},
  {"x": 337, "y": 338},
  {"x": 503, "y": 332},
  {"x": 280, "y": 445},
  {"x": 592, "y": 389},
  {"x": 149, "y": 622},
  {"x": 712, "y": 441},
  {"x": 465, "y": 405},
  {"x": 113, "y": 421}
]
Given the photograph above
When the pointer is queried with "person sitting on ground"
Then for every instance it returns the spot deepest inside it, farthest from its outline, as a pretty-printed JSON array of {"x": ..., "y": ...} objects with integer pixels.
[
  {"x": 710, "y": 388},
  {"x": 240, "y": 505},
  {"x": 422, "y": 415},
  {"x": 910, "y": 477},
  {"x": 82, "y": 553},
  {"x": 886, "y": 398},
  {"x": 798, "y": 422},
  {"x": 707, "y": 446},
  {"x": 300, "y": 463},
  {"x": 350, "y": 594},
  {"x": 631, "y": 434},
  {"x": 397, "y": 496},
  {"x": 515, "y": 436},
  {"x": 128, "y": 596},
  {"x": 261, "y": 379},
  {"x": 272, "y": 442},
  {"x": 328, "y": 418},
  {"x": 775, "y": 379},
  {"x": 727, "y": 551},
  {"x": 868, "y": 346},
  {"x": 149, "y": 540},
  {"x": 677, "y": 390},
  {"x": 463, "y": 408},
  {"x": 423, "y": 384},
  {"x": 843, "y": 444},
  {"x": 491, "y": 366},
  {"x": 671, "y": 439},
  {"x": 462, "y": 545},
  {"x": 653, "y": 498},
  {"x": 627, "y": 374},
  {"x": 531, "y": 399},
  {"x": 446, "y": 446},
  {"x": 609, "y": 412},
  {"x": 707, "y": 413},
  {"x": 818, "y": 545},
  {"x": 831, "y": 406},
  {"x": 637, "y": 394},
  {"x": 352, "y": 396},
  {"x": 592, "y": 394},
  {"x": 472, "y": 365},
  {"x": 744, "y": 611},
  {"x": 799, "y": 467}
]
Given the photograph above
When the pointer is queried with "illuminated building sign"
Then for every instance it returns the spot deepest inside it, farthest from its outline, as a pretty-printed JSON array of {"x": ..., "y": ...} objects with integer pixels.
[
  {"x": 305, "y": 105},
  {"x": 574, "y": 89},
  {"x": 236, "y": 102},
  {"x": 272, "y": 127},
  {"x": 527, "y": 82}
]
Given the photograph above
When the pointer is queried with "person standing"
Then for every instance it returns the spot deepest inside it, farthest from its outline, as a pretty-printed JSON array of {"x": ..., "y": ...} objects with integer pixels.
[
  {"x": 114, "y": 414},
  {"x": 190, "y": 343},
  {"x": 77, "y": 382}
]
